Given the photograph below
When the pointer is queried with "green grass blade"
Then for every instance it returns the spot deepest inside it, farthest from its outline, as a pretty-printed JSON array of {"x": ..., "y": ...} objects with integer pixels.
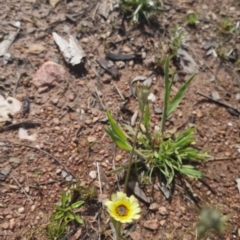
[
  {"x": 115, "y": 128},
  {"x": 77, "y": 204},
  {"x": 166, "y": 95},
  {"x": 178, "y": 97}
]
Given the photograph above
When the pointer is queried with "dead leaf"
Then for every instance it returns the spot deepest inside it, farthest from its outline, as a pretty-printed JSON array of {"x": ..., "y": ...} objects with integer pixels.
[
  {"x": 8, "y": 107},
  {"x": 135, "y": 187},
  {"x": 5, "y": 44},
  {"x": 187, "y": 62},
  {"x": 71, "y": 50},
  {"x": 104, "y": 9}
]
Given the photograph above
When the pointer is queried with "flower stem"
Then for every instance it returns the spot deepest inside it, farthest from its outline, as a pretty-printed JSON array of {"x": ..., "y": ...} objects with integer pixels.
[{"x": 118, "y": 230}]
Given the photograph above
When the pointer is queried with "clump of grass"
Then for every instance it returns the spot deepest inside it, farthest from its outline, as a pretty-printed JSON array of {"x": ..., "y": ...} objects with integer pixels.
[
  {"x": 192, "y": 18},
  {"x": 139, "y": 10},
  {"x": 64, "y": 214},
  {"x": 211, "y": 219},
  {"x": 226, "y": 26},
  {"x": 164, "y": 153},
  {"x": 176, "y": 40}
]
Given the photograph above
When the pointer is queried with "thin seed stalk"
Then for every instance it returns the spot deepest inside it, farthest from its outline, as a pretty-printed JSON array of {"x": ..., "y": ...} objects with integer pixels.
[{"x": 132, "y": 152}]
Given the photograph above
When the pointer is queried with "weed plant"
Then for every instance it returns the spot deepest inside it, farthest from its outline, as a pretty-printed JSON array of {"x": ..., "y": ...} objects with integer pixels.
[{"x": 160, "y": 151}]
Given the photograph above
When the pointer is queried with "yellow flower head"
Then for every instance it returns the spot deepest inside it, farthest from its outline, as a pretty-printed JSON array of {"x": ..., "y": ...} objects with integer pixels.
[{"x": 122, "y": 208}]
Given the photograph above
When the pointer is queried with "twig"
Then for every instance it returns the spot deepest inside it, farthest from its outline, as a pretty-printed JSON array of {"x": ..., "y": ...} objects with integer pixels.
[
  {"x": 30, "y": 200},
  {"x": 17, "y": 82},
  {"x": 220, "y": 103},
  {"x": 220, "y": 159},
  {"x": 99, "y": 179},
  {"x": 99, "y": 98},
  {"x": 120, "y": 94},
  {"x": 11, "y": 144}
]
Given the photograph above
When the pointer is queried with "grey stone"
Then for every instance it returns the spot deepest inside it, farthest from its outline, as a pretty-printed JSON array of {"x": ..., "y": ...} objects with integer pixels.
[{"x": 14, "y": 162}]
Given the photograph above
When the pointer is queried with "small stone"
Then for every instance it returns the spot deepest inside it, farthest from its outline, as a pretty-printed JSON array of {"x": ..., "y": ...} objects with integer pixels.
[
  {"x": 118, "y": 158},
  {"x": 69, "y": 178},
  {"x": 238, "y": 97},
  {"x": 14, "y": 162},
  {"x": 131, "y": 63},
  {"x": 54, "y": 101},
  {"x": 157, "y": 109},
  {"x": 56, "y": 121},
  {"x": 163, "y": 211},
  {"x": 93, "y": 174},
  {"x": 21, "y": 210},
  {"x": 26, "y": 189},
  {"x": 12, "y": 223},
  {"x": 5, "y": 171},
  {"x": 71, "y": 97},
  {"x": 58, "y": 171},
  {"x": 144, "y": 54},
  {"x": 126, "y": 49},
  {"x": 49, "y": 74},
  {"x": 135, "y": 235},
  {"x": 152, "y": 97},
  {"x": 33, "y": 207},
  {"x": 199, "y": 114},
  {"x": 151, "y": 224},
  {"x": 215, "y": 95},
  {"x": 162, "y": 223},
  {"x": 227, "y": 154},
  {"x": 153, "y": 206},
  {"x": 84, "y": 40},
  {"x": 177, "y": 225},
  {"x": 64, "y": 174},
  {"x": 180, "y": 114},
  {"x": 4, "y": 225},
  {"x": 91, "y": 139},
  {"x": 120, "y": 64}
]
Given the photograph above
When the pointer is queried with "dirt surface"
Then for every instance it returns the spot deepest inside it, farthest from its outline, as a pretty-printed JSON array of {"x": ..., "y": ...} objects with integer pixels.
[{"x": 71, "y": 140}]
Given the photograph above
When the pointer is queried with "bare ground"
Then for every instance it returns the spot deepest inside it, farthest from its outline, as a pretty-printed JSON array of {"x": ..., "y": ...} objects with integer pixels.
[{"x": 72, "y": 112}]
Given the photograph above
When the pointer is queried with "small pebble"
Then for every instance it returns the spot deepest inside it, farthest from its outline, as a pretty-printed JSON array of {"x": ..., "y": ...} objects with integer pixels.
[
  {"x": 93, "y": 174},
  {"x": 21, "y": 210},
  {"x": 151, "y": 224},
  {"x": 91, "y": 139}
]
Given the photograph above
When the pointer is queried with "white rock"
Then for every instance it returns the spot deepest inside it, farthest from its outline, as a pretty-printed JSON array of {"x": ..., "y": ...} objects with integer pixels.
[
  {"x": 93, "y": 174},
  {"x": 21, "y": 210},
  {"x": 151, "y": 97}
]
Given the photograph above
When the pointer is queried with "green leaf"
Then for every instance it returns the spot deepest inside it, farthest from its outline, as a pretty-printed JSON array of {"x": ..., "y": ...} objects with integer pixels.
[
  {"x": 115, "y": 128},
  {"x": 146, "y": 117},
  {"x": 117, "y": 134},
  {"x": 191, "y": 172},
  {"x": 77, "y": 204},
  {"x": 63, "y": 199},
  {"x": 78, "y": 219},
  {"x": 166, "y": 95},
  {"x": 58, "y": 215},
  {"x": 118, "y": 141},
  {"x": 70, "y": 217},
  {"x": 60, "y": 209},
  {"x": 178, "y": 97}
]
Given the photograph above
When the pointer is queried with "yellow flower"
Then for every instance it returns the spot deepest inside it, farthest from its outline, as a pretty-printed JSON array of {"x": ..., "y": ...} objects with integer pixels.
[{"x": 122, "y": 208}]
